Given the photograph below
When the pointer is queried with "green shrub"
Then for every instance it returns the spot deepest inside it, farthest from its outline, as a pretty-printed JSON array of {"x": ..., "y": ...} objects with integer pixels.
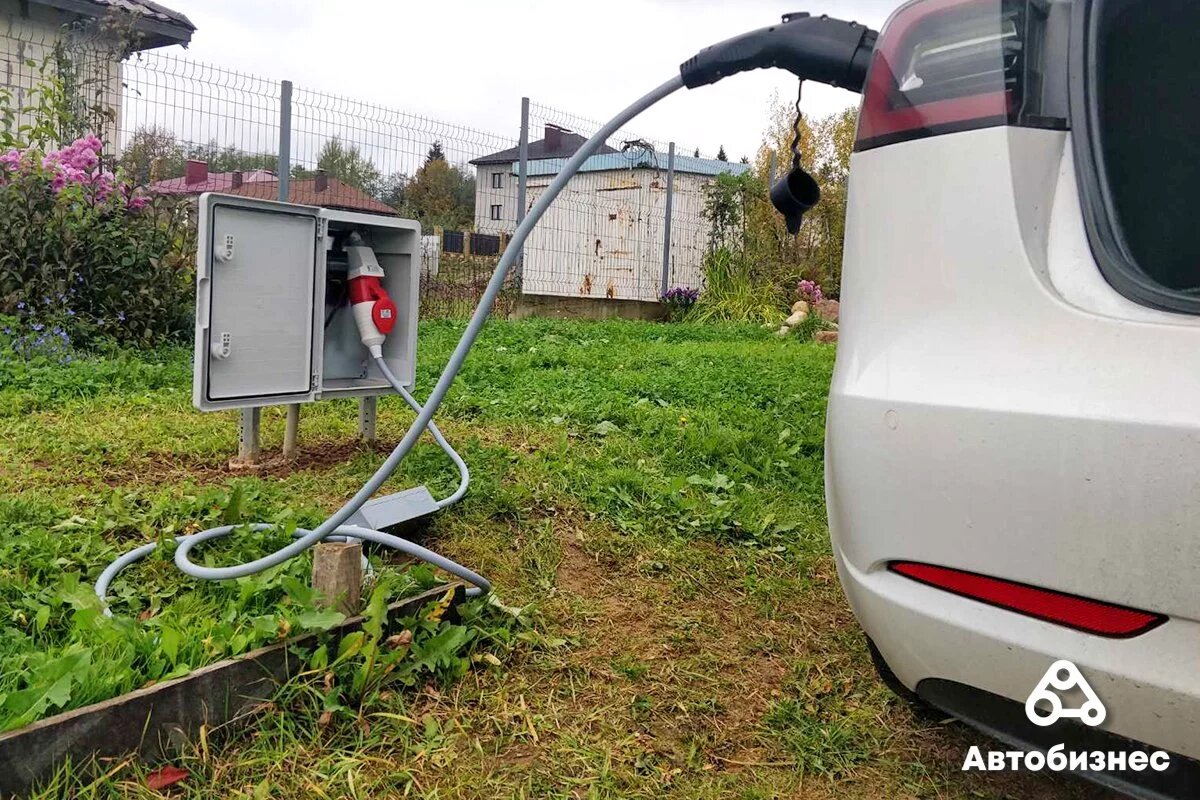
[
  {"x": 734, "y": 293},
  {"x": 81, "y": 252}
]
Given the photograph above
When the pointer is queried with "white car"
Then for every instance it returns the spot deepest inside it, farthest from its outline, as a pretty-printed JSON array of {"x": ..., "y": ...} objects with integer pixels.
[{"x": 1013, "y": 445}]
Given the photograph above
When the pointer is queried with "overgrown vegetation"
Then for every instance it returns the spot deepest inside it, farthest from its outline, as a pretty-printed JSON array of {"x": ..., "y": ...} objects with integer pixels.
[
  {"x": 84, "y": 257},
  {"x": 651, "y": 494},
  {"x": 753, "y": 263}
]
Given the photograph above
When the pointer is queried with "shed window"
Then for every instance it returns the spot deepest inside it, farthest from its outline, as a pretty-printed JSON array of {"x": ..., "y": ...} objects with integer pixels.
[
  {"x": 495, "y": 212},
  {"x": 497, "y": 180}
]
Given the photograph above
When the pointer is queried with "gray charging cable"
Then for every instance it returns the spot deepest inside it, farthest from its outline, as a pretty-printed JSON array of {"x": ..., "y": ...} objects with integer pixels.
[{"x": 335, "y": 528}]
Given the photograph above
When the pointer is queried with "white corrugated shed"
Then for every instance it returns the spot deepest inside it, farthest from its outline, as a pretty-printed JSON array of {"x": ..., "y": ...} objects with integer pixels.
[{"x": 602, "y": 238}]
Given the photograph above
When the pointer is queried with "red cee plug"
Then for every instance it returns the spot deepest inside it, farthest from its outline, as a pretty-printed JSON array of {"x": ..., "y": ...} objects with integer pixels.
[
  {"x": 369, "y": 289},
  {"x": 374, "y": 312}
]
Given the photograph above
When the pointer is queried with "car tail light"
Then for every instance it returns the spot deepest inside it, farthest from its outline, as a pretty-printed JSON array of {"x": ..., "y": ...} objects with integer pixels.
[
  {"x": 1091, "y": 616},
  {"x": 942, "y": 66}
]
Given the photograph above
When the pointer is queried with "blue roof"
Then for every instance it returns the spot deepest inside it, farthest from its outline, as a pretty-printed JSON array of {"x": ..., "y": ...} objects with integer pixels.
[{"x": 634, "y": 159}]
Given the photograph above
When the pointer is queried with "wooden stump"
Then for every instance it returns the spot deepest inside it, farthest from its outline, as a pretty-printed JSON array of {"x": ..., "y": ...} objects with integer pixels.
[{"x": 337, "y": 575}]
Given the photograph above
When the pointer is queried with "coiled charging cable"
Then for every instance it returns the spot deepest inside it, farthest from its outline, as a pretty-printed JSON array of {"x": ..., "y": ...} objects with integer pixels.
[{"x": 335, "y": 528}]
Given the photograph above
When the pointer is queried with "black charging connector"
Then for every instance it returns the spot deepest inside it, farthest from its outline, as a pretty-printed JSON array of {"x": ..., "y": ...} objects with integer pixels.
[{"x": 820, "y": 49}]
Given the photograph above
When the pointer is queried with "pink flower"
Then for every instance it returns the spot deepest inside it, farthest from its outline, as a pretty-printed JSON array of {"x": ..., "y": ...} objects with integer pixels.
[{"x": 810, "y": 291}]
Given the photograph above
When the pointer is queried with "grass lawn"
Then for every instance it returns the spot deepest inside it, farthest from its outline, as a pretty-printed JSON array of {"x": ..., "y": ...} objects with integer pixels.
[{"x": 650, "y": 494}]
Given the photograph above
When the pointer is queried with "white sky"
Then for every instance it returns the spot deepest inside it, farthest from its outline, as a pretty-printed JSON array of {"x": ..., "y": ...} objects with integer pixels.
[{"x": 470, "y": 61}]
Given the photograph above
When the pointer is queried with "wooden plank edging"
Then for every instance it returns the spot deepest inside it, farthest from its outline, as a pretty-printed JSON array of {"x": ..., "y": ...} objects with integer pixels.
[{"x": 155, "y": 721}]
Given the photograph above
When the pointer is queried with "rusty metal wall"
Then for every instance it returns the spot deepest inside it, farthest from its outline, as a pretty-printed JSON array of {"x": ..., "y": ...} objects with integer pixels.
[{"x": 603, "y": 236}]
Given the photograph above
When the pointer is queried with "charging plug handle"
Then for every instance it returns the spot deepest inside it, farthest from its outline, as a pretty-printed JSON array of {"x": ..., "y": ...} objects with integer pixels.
[{"x": 820, "y": 49}]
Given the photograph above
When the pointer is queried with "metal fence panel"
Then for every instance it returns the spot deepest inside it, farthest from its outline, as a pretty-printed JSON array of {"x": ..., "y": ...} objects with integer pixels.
[{"x": 180, "y": 126}]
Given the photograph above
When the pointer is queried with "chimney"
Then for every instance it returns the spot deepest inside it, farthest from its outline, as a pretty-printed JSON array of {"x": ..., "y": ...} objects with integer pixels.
[
  {"x": 322, "y": 181},
  {"x": 237, "y": 180},
  {"x": 195, "y": 171},
  {"x": 553, "y": 137}
]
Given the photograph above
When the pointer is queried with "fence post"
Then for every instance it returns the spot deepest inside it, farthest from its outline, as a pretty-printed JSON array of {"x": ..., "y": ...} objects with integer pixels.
[
  {"x": 666, "y": 272},
  {"x": 522, "y": 181},
  {"x": 291, "y": 431},
  {"x": 284, "y": 168},
  {"x": 771, "y": 169}
]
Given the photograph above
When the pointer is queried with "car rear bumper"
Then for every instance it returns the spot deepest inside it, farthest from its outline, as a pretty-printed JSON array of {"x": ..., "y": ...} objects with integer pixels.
[
  {"x": 1149, "y": 684},
  {"x": 1005, "y": 720}
]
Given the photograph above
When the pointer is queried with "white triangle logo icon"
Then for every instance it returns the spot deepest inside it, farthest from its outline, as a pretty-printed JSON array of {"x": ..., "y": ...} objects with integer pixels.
[{"x": 1062, "y": 677}]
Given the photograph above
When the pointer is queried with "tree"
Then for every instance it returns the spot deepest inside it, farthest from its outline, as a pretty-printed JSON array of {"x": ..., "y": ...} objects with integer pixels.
[
  {"x": 231, "y": 159},
  {"x": 744, "y": 160},
  {"x": 697, "y": 153},
  {"x": 347, "y": 164},
  {"x": 435, "y": 152},
  {"x": 393, "y": 189},
  {"x": 441, "y": 194},
  {"x": 816, "y": 251},
  {"x": 721, "y": 154},
  {"x": 152, "y": 154}
]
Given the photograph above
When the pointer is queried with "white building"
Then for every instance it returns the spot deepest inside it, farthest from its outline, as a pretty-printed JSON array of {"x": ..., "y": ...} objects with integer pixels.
[
  {"x": 602, "y": 238},
  {"x": 496, "y": 182},
  {"x": 30, "y": 30}
]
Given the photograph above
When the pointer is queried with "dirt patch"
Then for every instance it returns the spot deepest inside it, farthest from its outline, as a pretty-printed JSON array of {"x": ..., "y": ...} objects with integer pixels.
[
  {"x": 695, "y": 665},
  {"x": 163, "y": 468},
  {"x": 160, "y": 468}
]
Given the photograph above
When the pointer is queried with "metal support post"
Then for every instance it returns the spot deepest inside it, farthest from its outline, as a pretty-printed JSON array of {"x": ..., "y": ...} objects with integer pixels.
[
  {"x": 249, "y": 423},
  {"x": 666, "y": 263},
  {"x": 366, "y": 417},
  {"x": 291, "y": 432},
  {"x": 283, "y": 168},
  {"x": 522, "y": 181}
]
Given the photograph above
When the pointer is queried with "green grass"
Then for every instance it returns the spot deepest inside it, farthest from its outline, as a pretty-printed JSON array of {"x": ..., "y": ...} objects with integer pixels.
[{"x": 650, "y": 494}]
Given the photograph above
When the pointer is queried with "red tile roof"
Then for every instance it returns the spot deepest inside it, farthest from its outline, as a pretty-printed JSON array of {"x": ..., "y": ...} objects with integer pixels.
[
  {"x": 216, "y": 182},
  {"x": 335, "y": 194}
]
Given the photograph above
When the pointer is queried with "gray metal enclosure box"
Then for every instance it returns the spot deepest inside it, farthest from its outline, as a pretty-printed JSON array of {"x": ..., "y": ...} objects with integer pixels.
[{"x": 262, "y": 336}]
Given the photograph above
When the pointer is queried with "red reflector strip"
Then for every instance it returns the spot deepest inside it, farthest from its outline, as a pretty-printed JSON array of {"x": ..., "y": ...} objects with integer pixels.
[{"x": 1080, "y": 613}]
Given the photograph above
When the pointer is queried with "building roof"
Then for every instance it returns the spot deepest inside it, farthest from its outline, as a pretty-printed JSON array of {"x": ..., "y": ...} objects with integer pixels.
[
  {"x": 158, "y": 25},
  {"x": 638, "y": 159},
  {"x": 558, "y": 143},
  {"x": 327, "y": 192},
  {"x": 215, "y": 182}
]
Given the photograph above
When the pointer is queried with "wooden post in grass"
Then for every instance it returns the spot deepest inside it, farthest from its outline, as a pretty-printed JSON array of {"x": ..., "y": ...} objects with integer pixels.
[{"x": 337, "y": 574}]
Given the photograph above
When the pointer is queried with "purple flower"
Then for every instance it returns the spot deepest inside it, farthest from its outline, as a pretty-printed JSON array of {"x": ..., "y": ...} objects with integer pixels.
[
  {"x": 810, "y": 291},
  {"x": 680, "y": 299}
]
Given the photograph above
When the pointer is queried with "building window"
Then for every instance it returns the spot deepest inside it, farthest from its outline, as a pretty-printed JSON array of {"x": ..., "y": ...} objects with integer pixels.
[
  {"x": 496, "y": 212},
  {"x": 497, "y": 180}
]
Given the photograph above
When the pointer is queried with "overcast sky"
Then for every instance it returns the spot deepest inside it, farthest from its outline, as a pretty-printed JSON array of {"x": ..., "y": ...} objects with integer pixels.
[{"x": 470, "y": 61}]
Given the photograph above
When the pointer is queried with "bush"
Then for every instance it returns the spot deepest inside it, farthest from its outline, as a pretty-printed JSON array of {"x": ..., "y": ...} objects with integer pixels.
[
  {"x": 83, "y": 253},
  {"x": 734, "y": 292}
]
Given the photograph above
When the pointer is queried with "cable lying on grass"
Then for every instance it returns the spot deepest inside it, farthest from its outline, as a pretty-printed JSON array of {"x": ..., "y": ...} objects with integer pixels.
[{"x": 815, "y": 48}]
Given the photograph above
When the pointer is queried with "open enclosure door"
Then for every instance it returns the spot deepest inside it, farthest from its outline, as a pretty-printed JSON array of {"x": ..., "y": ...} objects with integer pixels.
[{"x": 255, "y": 295}]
